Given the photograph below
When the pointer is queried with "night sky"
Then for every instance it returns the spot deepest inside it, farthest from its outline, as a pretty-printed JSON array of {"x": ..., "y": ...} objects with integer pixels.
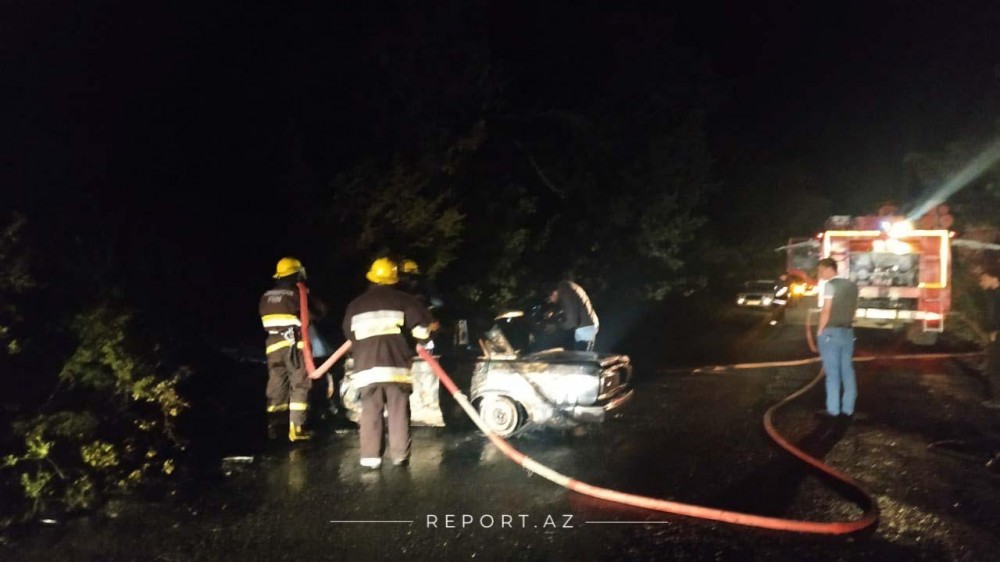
[{"x": 172, "y": 132}]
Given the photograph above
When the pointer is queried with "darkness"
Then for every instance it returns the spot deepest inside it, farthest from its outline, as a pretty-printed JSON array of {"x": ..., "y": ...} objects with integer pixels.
[{"x": 177, "y": 145}]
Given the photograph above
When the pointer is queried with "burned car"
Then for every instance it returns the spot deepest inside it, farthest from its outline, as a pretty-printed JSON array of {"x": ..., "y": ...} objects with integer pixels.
[
  {"x": 514, "y": 390},
  {"x": 553, "y": 387}
]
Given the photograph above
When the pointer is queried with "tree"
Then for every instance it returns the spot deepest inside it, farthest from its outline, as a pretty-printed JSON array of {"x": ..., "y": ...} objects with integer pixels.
[{"x": 14, "y": 281}]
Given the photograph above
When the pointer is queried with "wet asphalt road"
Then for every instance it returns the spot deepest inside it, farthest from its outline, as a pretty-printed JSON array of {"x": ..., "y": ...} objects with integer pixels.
[{"x": 693, "y": 438}]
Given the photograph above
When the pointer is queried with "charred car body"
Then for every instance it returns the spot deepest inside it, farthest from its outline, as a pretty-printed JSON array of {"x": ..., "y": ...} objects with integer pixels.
[{"x": 515, "y": 388}]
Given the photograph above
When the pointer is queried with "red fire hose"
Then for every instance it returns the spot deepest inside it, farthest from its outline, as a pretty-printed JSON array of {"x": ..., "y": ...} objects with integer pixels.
[
  {"x": 311, "y": 369},
  {"x": 304, "y": 316},
  {"x": 868, "y": 519}
]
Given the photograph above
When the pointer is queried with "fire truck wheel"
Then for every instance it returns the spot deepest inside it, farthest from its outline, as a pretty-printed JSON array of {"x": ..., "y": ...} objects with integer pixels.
[{"x": 500, "y": 414}]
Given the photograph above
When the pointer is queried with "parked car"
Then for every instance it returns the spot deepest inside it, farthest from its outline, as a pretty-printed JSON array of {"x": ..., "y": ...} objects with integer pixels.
[
  {"x": 762, "y": 294},
  {"x": 514, "y": 388}
]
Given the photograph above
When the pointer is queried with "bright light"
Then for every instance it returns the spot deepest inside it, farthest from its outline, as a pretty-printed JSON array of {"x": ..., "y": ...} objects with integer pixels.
[
  {"x": 510, "y": 315},
  {"x": 901, "y": 228},
  {"x": 741, "y": 300},
  {"x": 801, "y": 289},
  {"x": 892, "y": 246},
  {"x": 773, "y": 322}
]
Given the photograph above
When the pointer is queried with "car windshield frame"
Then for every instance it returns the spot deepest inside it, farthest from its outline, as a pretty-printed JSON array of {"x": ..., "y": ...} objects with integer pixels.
[{"x": 759, "y": 286}]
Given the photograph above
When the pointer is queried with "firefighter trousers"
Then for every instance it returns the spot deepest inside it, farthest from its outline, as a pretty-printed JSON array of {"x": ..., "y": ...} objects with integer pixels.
[
  {"x": 394, "y": 400},
  {"x": 287, "y": 384}
]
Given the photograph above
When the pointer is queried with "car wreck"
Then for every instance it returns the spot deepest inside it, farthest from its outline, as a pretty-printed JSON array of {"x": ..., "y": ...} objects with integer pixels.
[{"x": 514, "y": 390}]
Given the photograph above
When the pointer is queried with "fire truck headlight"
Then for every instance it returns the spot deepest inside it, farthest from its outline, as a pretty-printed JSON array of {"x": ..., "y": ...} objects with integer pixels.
[
  {"x": 766, "y": 300},
  {"x": 741, "y": 300},
  {"x": 901, "y": 228}
]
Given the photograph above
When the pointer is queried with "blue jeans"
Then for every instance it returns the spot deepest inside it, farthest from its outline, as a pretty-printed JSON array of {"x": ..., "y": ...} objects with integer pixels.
[{"x": 836, "y": 349}]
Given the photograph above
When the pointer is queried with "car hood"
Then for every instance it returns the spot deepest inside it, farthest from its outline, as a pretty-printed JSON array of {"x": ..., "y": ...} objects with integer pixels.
[{"x": 564, "y": 356}]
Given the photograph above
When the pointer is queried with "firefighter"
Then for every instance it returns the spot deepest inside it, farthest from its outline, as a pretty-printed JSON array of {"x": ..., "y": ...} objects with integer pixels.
[
  {"x": 287, "y": 383},
  {"x": 377, "y": 322},
  {"x": 412, "y": 280}
]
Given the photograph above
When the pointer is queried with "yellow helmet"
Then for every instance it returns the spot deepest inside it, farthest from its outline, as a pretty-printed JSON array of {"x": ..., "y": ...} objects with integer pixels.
[
  {"x": 383, "y": 272},
  {"x": 409, "y": 266},
  {"x": 288, "y": 266}
]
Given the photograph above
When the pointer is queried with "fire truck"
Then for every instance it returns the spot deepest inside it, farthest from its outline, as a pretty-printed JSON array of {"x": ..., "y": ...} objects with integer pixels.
[{"x": 902, "y": 271}]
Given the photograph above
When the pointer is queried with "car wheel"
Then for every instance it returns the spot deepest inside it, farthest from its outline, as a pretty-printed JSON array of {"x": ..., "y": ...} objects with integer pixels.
[{"x": 500, "y": 414}]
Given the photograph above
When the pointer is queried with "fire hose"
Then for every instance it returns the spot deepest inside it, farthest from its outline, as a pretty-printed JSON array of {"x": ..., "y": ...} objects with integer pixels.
[
  {"x": 312, "y": 371},
  {"x": 304, "y": 317},
  {"x": 867, "y": 520}
]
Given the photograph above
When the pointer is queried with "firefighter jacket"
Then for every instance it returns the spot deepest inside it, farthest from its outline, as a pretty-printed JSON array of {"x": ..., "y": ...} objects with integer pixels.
[
  {"x": 279, "y": 313},
  {"x": 378, "y": 323},
  {"x": 577, "y": 310}
]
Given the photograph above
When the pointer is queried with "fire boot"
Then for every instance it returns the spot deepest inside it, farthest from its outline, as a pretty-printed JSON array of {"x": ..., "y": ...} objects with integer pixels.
[{"x": 296, "y": 433}]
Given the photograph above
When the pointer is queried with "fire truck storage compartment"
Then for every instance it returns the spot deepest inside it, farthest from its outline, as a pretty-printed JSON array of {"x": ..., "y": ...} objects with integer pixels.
[{"x": 883, "y": 269}]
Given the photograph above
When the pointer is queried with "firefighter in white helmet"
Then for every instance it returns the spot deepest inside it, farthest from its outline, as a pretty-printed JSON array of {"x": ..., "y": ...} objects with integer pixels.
[
  {"x": 378, "y": 323},
  {"x": 287, "y": 383}
]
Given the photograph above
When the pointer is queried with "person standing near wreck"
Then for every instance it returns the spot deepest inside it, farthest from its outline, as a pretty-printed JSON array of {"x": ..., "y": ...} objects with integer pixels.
[
  {"x": 835, "y": 336},
  {"x": 578, "y": 313}
]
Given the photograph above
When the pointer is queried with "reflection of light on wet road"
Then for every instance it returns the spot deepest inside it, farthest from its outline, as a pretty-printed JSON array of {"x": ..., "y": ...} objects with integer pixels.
[
  {"x": 297, "y": 471},
  {"x": 491, "y": 455},
  {"x": 427, "y": 455}
]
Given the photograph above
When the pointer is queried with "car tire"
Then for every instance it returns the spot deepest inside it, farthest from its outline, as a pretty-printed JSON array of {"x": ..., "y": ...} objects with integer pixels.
[{"x": 501, "y": 415}]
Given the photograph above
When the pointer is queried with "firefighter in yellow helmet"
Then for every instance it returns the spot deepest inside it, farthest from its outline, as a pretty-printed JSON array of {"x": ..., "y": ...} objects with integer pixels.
[
  {"x": 377, "y": 322},
  {"x": 287, "y": 383},
  {"x": 409, "y": 267},
  {"x": 412, "y": 280}
]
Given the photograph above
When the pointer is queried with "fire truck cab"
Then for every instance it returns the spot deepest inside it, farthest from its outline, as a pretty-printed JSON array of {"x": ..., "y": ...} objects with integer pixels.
[{"x": 902, "y": 273}]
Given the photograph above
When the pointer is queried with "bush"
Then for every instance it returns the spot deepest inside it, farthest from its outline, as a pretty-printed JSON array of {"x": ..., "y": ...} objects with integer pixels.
[{"x": 108, "y": 426}]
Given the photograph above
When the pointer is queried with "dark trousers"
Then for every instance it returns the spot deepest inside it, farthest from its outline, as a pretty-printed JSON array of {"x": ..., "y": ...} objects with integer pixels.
[
  {"x": 394, "y": 399},
  {"x": 287, "y": 384}
]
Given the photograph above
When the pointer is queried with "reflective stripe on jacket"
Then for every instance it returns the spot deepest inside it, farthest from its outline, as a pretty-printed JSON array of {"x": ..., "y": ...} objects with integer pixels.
[
  {"x": 383, "y": 374},
  {"x": 279, "y": 308},
  {"x": 378, "y": 322},
  {"x": 282, "y": 344}
]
